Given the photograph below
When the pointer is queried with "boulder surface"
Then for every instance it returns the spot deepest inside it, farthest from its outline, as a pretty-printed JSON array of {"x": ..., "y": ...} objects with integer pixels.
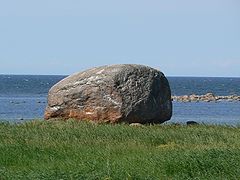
[{"x": 117, "y": 93}]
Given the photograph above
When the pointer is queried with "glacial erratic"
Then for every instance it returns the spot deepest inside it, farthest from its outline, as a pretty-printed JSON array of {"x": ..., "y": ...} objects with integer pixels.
[{"x": 117, "y": 93}]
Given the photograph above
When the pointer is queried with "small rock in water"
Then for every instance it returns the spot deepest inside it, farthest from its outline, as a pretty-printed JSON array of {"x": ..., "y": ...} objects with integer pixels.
[{"x": 192, "y": 123}]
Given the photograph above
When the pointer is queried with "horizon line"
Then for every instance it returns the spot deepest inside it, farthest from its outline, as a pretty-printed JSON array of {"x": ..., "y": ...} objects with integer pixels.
[{"x": 190, "y": 76}]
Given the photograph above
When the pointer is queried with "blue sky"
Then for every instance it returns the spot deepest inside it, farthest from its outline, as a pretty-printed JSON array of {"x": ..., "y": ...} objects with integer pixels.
[{"x": 181, "y": 38}]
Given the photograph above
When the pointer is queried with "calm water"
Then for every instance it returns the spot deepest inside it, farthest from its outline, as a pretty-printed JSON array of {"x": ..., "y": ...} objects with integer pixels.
[{"x": 24, "y": 97}]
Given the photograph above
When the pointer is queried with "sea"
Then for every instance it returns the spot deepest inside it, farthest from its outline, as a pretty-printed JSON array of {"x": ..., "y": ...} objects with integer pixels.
[{"x": 24, "y": 98}]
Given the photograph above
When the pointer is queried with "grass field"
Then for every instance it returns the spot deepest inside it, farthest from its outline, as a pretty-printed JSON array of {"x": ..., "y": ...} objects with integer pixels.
[{"x": 81, "y": 150}]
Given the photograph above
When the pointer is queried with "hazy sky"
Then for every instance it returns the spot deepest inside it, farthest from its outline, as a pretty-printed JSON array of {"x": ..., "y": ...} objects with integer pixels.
[{"x": 179, "y": 37}]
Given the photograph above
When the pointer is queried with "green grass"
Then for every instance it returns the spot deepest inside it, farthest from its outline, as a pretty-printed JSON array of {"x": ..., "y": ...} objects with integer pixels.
[{"x": 81, "y": 150}]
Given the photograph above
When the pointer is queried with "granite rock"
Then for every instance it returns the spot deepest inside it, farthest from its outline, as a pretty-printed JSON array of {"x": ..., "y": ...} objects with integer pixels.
[{"x": 117, "y": 93}]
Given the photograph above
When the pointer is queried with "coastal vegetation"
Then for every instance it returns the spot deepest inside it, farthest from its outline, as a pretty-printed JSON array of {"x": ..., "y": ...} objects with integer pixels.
[{"x": 84, "y": 150}]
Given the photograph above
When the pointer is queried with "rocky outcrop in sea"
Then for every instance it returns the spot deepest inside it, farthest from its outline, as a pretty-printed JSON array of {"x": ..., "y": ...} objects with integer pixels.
[{"x": 209, "y": 97}]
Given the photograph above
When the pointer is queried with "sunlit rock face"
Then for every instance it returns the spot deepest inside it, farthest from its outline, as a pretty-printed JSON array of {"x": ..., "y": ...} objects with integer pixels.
[{"x": 117, "y": 93}]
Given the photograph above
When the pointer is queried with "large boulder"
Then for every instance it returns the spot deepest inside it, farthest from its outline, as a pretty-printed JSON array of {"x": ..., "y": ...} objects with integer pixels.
[{"x": 118, "y": 93}]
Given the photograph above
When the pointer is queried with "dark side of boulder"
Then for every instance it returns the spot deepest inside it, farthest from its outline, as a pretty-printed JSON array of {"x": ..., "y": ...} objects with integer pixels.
[{"x": 117, "y": 93}]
